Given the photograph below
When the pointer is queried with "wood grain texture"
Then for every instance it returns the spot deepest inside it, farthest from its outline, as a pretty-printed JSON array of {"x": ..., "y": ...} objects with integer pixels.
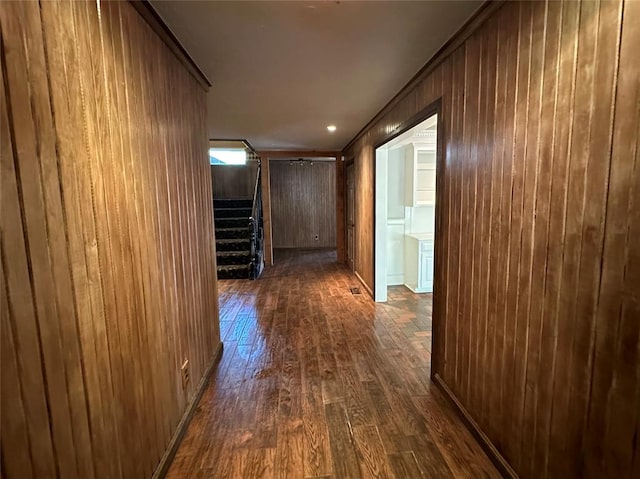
[
  {"x": 265, "y": 178},
  {"x": 536, "y": 274},
  {"x": 234, "y": 181},
  {"x": 108, "y": 268},
  {"x": 303, "y": 204},
  {"x": 316, "y": 382},
  {"x": 341, "y": 238}
]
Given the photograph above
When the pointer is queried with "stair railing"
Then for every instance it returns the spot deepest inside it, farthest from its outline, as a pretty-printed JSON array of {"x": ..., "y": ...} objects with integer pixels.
[{"x": 257, "y": 247}]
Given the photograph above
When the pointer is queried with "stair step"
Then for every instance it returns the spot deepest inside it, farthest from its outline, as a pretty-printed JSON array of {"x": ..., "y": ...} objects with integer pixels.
[
  {"x": 233, "y": 253},
  {"x": 233, "y": 267},
  {"x": 224, "y": 258},
  {"x": 229, "y": 233},
  {"x": 233, "y": 244},
  {"x": 233, "y": 203},
  {"x": 233, "y": 272},
  {"x": 232, "y": 222},
  {"x": 232, "y": 240},
  {"x": 232, "y": 212}
]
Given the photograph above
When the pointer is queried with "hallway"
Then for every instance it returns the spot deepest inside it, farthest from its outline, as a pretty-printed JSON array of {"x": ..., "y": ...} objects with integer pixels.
[{"x": 318, "y": 382}]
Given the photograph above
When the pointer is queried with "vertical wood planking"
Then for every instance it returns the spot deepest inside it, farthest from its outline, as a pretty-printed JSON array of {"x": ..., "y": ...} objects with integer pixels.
[
  {"x": 234, "y": 181},
  {"x": 25, "y": 422},
  {"x": 108, "y": 268},
  {"x": 303, "y": 204},
  {"x": 485, "y": 327},
  {"x": 340, "y": 211},
  {"x": 536, "y": 208},
  {"x": 544, "y": 154},
  {"x": 265, "y": 179},
  {"x": 615, "y": 391},
  {"x": 596, "y": 180},
  {"x": 563, "y": 129},
  {"x": 533, "y": 105}
]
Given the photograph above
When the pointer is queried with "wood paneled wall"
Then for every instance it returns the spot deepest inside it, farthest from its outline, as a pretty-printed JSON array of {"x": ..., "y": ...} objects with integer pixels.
[
  {"x": 303, "y": 204},
  {"x": 265, "y": 183},
  {"x": 234, "y": 181},
  {"x": 340, "y": 217},
  {"x": 107, "y": 249},
  {"x": 537, "y": 298}
]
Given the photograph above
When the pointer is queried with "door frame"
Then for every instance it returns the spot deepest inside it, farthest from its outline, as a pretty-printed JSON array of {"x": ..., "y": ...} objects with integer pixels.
[
  {"x": 349, "y": 162},
  {"x": 435, "y": 108}
]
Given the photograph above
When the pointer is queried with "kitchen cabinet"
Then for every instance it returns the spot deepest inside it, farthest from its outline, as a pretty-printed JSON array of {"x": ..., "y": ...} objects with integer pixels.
[
  {"x": 420, "y": 175},
  {"x": 419, "y": 262}
]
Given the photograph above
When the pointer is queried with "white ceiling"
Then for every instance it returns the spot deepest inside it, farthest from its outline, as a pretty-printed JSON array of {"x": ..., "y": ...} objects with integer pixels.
[{"x": 284, "y": 70}]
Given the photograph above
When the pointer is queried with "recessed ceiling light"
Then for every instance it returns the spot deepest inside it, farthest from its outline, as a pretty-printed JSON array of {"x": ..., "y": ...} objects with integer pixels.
[{"x": 331, "y": 128}]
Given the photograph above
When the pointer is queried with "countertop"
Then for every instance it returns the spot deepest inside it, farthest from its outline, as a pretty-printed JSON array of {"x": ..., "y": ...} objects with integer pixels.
[{"x": 421, "y": 236}]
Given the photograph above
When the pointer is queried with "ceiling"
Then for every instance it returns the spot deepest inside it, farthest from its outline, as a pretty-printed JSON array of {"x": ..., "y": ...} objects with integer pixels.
[{"x": 282, "y": 71}]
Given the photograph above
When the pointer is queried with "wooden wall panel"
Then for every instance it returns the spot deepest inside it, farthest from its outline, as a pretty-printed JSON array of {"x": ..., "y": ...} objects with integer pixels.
[
  {"x": 265, "y": 182},
  {"x": 537, "y": 274},
  {"x": 340, "y": 218},
  {"x": 234, "y": 181},
  {"x": 303, "y": 204},
  {"x": 108, "y": 268}
]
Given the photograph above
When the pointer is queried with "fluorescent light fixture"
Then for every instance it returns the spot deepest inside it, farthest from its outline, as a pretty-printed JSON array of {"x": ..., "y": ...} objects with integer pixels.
[
  {"x": 227, "y": 156},
  {"x": 331, "y": 128}
]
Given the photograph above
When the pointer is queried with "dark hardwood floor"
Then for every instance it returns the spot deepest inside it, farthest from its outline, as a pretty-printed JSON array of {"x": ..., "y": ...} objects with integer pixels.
[{"x": 318, "y": 382}]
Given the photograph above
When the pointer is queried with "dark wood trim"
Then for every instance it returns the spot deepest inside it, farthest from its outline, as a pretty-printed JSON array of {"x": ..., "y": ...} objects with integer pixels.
[
  {"x": 265, "y": 178},
  {"x": 155, "y": 21},
  {"x": 476, "y": 20},
  {"x": 490, "y": 450},
  {"x": 242, "y": 140},
  {"x": 167, "y": 457},
  {"x": 364, "y": 285},
  {"x": 341, "y": 245},
  {"x": 299, "y": 153},
  {"x": 433, "y": 109},
  {"x": 437, "y": 312},
  {"x": 348, "y": 161}
]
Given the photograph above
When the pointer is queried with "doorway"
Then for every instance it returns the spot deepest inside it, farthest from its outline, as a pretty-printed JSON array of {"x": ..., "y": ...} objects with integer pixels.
[{"x": 405, "y": 208}]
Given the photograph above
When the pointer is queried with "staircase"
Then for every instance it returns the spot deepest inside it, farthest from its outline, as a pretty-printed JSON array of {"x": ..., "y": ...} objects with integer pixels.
[
  {"x": 239, "y": 235},
  {"x": 233, "y": 237}
]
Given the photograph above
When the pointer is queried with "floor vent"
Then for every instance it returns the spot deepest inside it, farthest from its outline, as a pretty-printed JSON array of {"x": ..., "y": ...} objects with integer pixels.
[{"x": 354, "y": 290}]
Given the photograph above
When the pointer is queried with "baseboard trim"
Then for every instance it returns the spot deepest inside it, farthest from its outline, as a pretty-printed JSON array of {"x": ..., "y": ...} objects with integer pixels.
[
  {"x": 364, "y": 285},
  {"x": 490, "y": 450},
  {"x": 167, "y": 457}
]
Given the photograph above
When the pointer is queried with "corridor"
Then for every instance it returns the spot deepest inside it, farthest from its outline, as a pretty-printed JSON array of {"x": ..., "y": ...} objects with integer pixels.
[{"x": 318, "y": 382}]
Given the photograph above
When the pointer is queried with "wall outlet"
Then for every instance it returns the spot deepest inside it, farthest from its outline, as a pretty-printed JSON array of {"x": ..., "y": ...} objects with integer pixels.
[{"x": 184, "y": 372}]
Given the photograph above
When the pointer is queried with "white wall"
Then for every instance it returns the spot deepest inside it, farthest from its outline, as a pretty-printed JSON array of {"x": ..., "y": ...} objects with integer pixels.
[
  {"x": 395, "y": 217},
  {"x": 395, "y": 183}
]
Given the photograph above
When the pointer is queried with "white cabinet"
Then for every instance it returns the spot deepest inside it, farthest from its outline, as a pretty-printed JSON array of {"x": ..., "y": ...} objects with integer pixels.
[
  {"x": 418, "y": 267},
  {"x": 395, "y": 251},
  {"x": 420, "y": 175}
]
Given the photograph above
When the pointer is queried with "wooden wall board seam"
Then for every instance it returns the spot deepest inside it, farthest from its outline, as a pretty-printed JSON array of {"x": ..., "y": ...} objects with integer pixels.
[
  {"x": 163, "y": 466},
  {"x": 474, "y": 23},
  {"x": 532, "y": 214},
  {"x": 303, "y": 204},
  {"x": 120, "y": 265},
  {"x": 494, "y": 454},
  {"x": 155, "y": 21},
  {"x": 533, "y": 171}
]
